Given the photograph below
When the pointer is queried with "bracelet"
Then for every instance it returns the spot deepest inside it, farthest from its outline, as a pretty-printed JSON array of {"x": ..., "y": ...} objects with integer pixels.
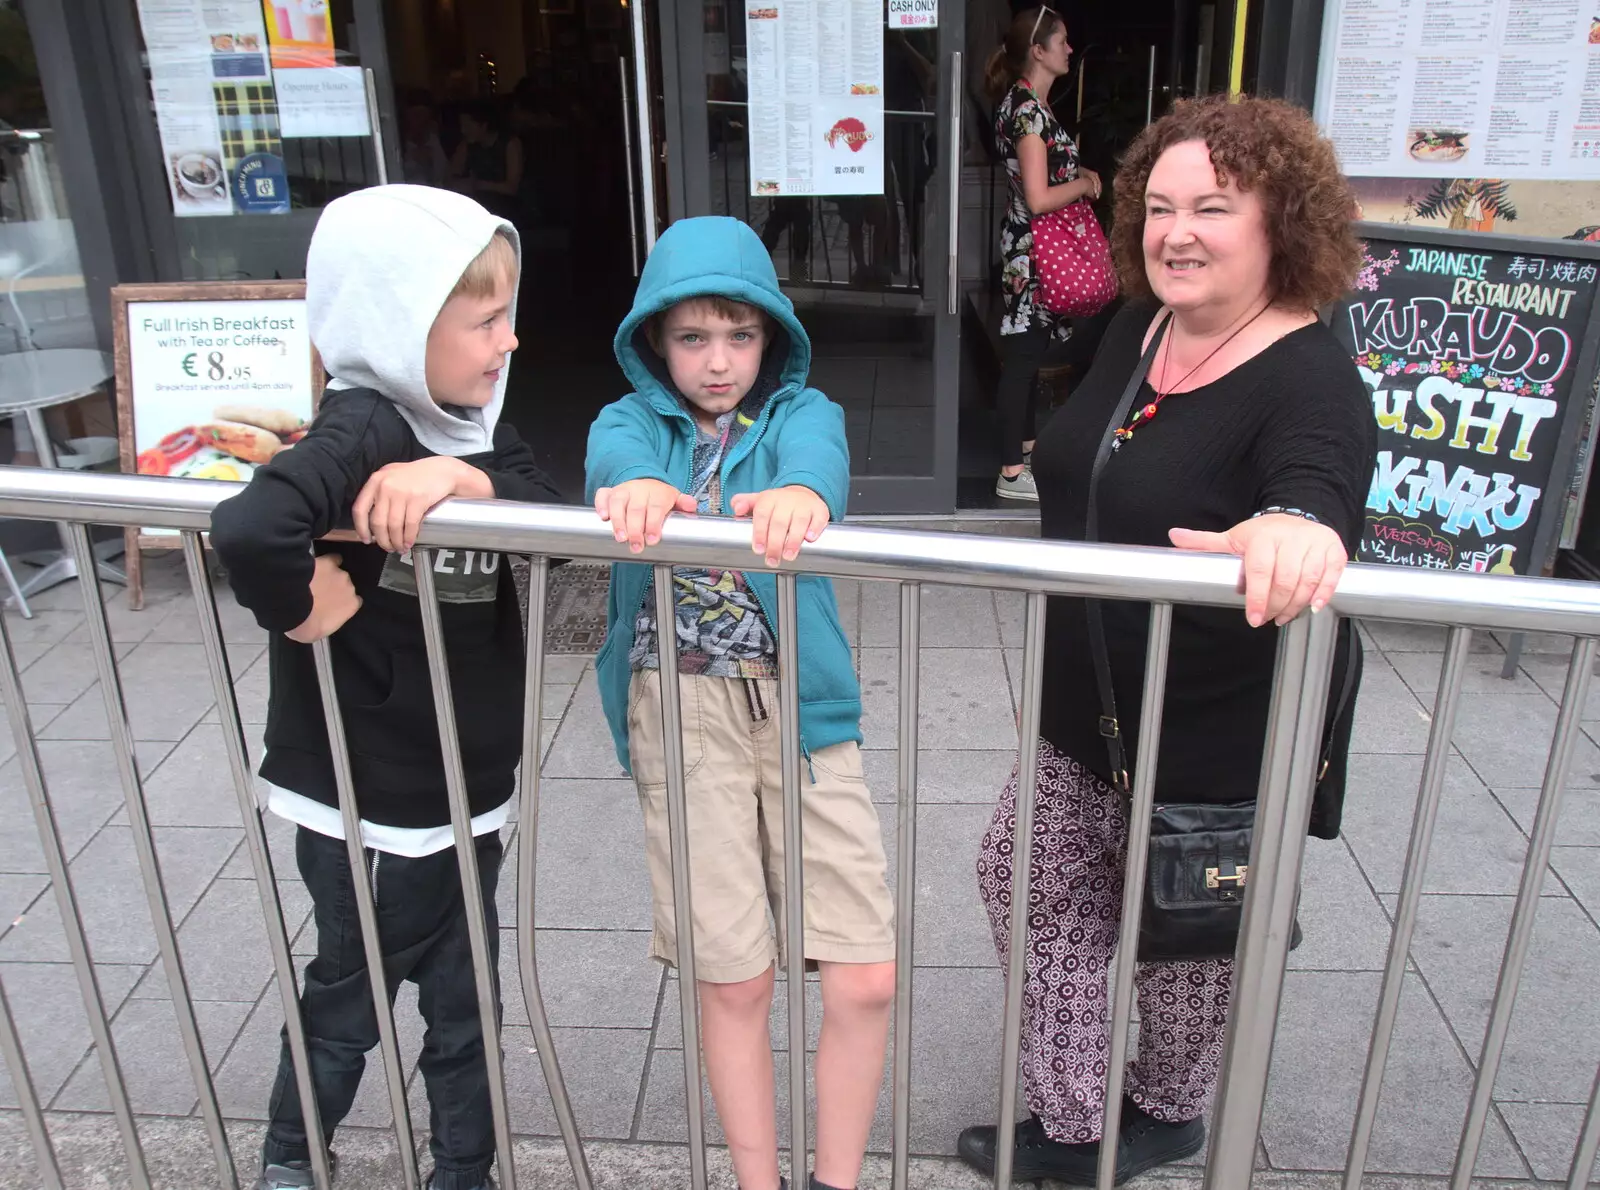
[{"x": 1279, "y": 510}]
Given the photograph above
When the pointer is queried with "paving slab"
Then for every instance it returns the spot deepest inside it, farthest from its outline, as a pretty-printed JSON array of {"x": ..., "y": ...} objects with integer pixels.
[
  {"x": 84, "y": 791},
  {"x": 1579, "y": 869},
  {"x": 592, "y": 873},
  {"x": 1395, "y": 636},
  {"x": 583, "y": 746},
  {"x": 1458, "y": 947},
  {"x": 1344, "y": 924},
  {"x": 223, "y": 941},
  {"x": 963, "y": 701},
  {"x": 1317, "y": 1067},
  {"x": 1548, "y": 1134},
  {"x": 167, "y": 689},
  {"x": 47, "y": 1005},
  {"x": 1579, "y": 825},
  {"x": 1389, "y": 717},
  {"x": 600, "y": 979},
  {"x": 1506, "y": 738},
  {"x": 194, "y": 784},
  {"x": 1477, "y": 847},
  {"x": 952, "y": 929},
  {"x": 943, "y": 774},
  {"x": 952, "y": 617},
  {"x": 111, "y": 896},
  {"x": 159, "y": 1078}
]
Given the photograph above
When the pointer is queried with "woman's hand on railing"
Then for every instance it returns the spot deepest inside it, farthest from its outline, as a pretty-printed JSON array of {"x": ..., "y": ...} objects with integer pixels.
[
  {"x": 333, "y": 601},
  {"x": 637, "y": 509},
  {"x": 1290, "y": 563},
  {"x": 782, "y": 520}
]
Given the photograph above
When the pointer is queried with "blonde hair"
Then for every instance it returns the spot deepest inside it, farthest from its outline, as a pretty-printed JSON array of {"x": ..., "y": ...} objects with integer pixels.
[{"x": 497, "y": 263}]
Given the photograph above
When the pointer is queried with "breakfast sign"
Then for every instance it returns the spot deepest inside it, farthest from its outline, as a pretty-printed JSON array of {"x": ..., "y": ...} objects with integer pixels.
[
  {"x": 1479, "y": 355},
  {"x": 213, "y": 380}
]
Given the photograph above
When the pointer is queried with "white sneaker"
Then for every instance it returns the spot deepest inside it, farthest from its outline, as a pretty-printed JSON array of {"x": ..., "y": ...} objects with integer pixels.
[{"x": 1017, "y": 487}]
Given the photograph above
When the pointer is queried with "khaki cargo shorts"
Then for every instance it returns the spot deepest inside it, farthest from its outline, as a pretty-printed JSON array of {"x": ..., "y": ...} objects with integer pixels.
[{"x": 734, "y": 781}]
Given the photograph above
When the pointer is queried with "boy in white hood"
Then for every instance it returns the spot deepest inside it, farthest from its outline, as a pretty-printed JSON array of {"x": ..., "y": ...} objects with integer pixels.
[{"x": 411, "y": 295}]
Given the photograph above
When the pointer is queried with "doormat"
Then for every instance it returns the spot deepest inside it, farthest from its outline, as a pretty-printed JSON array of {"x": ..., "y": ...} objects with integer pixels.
[{"x": 575, "y": 609}]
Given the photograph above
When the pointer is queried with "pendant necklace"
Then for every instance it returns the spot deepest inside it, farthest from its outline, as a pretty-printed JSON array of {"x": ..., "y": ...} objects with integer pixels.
[{"x": 1148, "y": 411}]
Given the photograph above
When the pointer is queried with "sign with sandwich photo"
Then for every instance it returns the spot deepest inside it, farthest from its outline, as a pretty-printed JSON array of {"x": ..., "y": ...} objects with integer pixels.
[{"x": 213, "y": 380}]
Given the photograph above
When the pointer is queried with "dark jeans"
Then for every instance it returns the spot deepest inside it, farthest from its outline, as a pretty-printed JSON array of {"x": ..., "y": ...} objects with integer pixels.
[{"x": 422, "y": 925}]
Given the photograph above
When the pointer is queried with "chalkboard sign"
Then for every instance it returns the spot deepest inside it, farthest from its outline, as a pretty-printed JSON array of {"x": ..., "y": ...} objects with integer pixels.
[{"x": 1479, "y": 354}]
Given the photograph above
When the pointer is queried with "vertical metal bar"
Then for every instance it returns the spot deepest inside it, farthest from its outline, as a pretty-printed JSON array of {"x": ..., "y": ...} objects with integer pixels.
[
  {"x": 678, "y": 836},
  {"x": 794, "y": 884},
  {"x": 27, "y": 1097},
  {"x": 377, "y": 127},
  {"x": 528, "y": 875},
  {"x": 957, "y": 104},
  {"x": 1021, "y": 880},
  {"x": 1520, "y": 937},
  {"x": 627, "y": 166},
  {"x": 1139, "y": 814},
  {"x": 1283, "y": 807},
  {"x": 1150, "y": 90},
  {"x": 1456, "y": 651},
  {"x": 455, "y": 780},
  {"x": 144, "y": 847},
  {"x": 906, "y": 874},
  {"x": 645, "y": 105},
  {"x": 55, "y": 858},
  {"x": 367, "y": 912},
  {"x": 205, "y": 600},
  {"x": 1588, "y": 1142}
]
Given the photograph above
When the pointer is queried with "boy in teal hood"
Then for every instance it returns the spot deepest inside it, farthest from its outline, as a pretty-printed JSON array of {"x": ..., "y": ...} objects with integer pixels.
[{"x": 721, "y": 422}]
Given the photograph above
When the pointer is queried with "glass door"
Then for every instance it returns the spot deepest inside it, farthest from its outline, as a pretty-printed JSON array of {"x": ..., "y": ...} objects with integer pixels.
[{"x": 871, "y": 273}]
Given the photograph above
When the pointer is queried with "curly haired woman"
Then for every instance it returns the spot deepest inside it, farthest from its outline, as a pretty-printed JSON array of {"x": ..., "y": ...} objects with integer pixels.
[{"x": 1253, "y": 435}]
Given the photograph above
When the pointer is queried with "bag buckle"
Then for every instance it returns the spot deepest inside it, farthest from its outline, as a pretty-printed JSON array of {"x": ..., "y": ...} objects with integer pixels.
[
  {"x": 1216, "y": 877},
  {"x": 1108, "y": 727}
]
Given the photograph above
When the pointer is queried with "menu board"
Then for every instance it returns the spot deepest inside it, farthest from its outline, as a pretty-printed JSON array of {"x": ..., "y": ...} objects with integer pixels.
[
  {"x": 1462, "y": 88},
  {"x": 1479, "y": 362},
  {"x": 816, "y": 96},
  {"x": 214, "y": 379},
  {"x": 216, "y": 110}
]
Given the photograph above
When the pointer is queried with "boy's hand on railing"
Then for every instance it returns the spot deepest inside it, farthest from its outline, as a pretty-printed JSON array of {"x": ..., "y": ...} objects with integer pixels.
[
  {"x": 636, "y": 509},
  {"x": 1290, "y": 563},
  {"x": 782, "y": 520},
  {"x": 333, "y": 601},
  {"x": 391, "y": 506}
]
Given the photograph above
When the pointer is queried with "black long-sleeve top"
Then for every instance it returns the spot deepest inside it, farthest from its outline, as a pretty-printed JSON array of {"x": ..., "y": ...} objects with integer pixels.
[{"x": 1291, "y": 428}]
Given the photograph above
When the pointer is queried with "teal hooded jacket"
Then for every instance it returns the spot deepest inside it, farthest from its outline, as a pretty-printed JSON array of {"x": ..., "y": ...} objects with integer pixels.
[{"x": 798, "y": 438}]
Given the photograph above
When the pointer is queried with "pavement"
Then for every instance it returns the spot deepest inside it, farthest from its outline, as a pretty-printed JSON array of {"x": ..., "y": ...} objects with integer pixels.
[{"x": 615, "y": 1012}]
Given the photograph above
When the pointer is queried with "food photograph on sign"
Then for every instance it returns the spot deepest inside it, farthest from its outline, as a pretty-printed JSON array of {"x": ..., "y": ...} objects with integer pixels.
[
  {"x": 1471, "y": 358},
  {"x": 218, "y": 388}
]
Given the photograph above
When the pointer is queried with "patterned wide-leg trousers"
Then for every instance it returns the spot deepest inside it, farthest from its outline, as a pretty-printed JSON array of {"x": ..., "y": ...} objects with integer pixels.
[{"x": 1080, "y": 833}]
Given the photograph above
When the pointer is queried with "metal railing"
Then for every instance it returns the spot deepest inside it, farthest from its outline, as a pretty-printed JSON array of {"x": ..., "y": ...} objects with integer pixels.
[{"x": 1163, "y": 578}]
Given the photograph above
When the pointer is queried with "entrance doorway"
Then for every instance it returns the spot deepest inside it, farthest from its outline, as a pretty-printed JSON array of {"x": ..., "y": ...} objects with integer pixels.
[
  {"x": 1131, "y": 62},
  {"x": 522, "y": 106}
]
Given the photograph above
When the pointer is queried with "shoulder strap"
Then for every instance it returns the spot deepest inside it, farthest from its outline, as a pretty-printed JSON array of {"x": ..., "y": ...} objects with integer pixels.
[{"x": 1109, "y": 729}]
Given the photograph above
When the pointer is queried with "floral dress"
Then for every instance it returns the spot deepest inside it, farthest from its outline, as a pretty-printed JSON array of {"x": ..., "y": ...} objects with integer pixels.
[{"x": 1021, "y": 114}]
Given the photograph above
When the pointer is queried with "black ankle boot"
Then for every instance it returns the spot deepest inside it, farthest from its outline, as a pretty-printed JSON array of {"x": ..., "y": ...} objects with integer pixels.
[
  {"x": 1037, "y": 1156},
  {"x": 816, "y": 1185}
]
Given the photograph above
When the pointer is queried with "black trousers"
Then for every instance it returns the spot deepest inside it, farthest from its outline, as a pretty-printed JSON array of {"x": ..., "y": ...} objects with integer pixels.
[
  {"x": 1016, "y": 399},
  {"x": 422, "y": 927}
]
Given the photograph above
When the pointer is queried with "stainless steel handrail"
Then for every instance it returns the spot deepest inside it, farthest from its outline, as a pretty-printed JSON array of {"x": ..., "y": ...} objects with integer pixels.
[{"x": 958, "y": 559}]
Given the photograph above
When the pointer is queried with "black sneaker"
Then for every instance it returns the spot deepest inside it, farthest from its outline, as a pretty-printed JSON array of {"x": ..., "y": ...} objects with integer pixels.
[
  {"x": 1037, "y": 1156},
  {"x": 293, "y": 1175},
  {"x": 1145, "y": 1142}
]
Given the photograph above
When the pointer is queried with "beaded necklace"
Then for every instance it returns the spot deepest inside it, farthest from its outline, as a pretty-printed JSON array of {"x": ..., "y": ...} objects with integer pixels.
[{"x": 1148, "y": 411}]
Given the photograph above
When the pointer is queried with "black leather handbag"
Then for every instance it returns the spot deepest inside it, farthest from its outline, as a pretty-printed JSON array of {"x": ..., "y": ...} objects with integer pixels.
[{"x": 1199, "y": 859}]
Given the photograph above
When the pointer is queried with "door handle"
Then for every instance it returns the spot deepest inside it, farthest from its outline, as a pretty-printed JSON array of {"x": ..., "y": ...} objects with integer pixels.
[
  {"x": 957, "y": 95},
  {"x": 647, "y": 140},
  {"x": 627, "y": 164}
]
